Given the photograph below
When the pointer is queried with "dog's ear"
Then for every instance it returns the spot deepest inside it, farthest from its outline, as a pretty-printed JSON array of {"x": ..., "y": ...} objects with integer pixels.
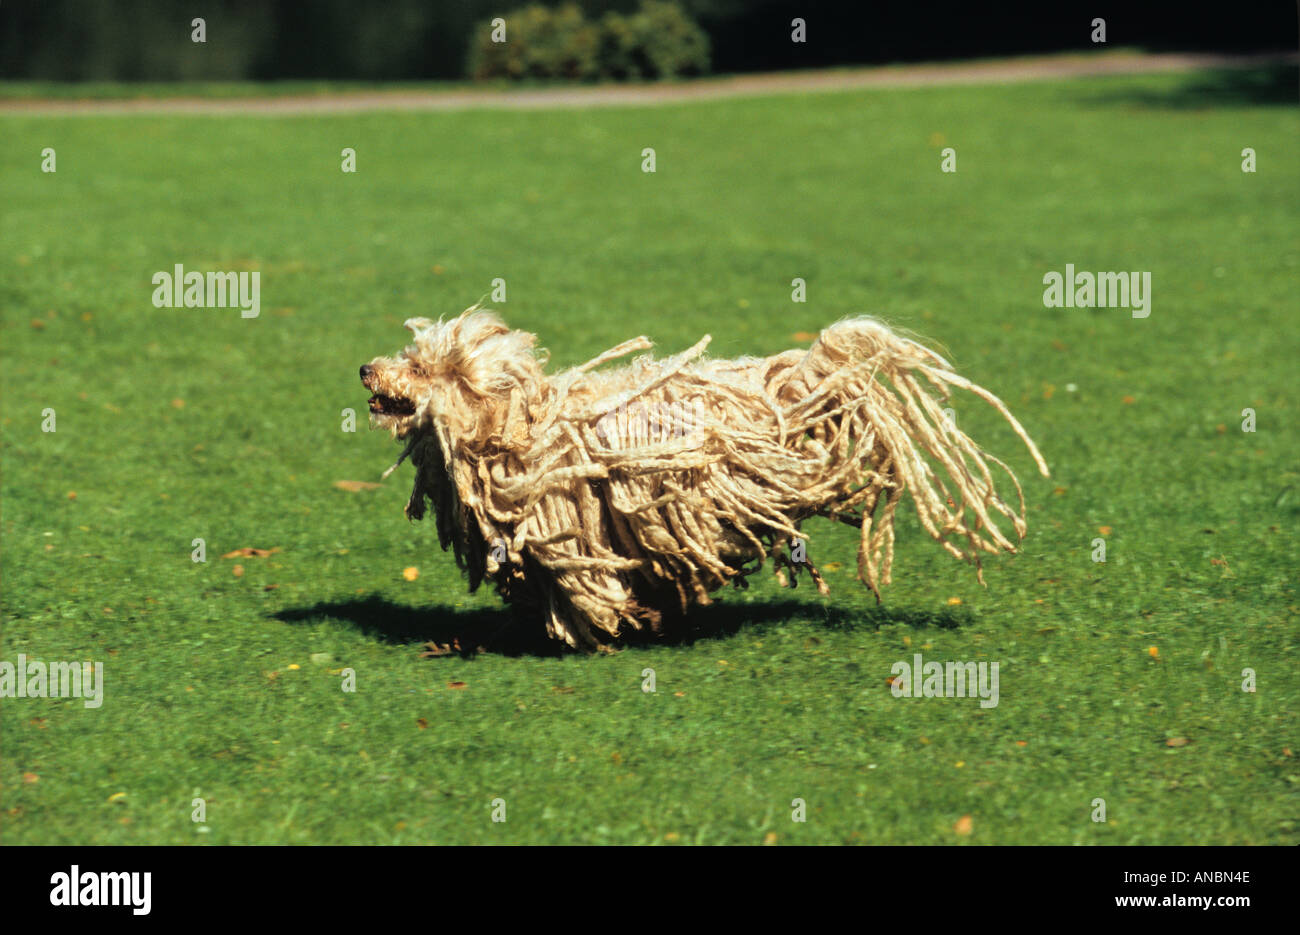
[{"x": 416, "y": 325}]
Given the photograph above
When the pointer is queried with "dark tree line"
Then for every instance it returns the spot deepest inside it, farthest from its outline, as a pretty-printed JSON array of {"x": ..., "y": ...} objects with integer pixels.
[{"x": 140, "y": 40}]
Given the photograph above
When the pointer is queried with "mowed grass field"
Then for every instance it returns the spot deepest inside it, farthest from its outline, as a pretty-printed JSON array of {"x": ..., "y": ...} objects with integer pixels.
[{"x": 177, "y": 424}]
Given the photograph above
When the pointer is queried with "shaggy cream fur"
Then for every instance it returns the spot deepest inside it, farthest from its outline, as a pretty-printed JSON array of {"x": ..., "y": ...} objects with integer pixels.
[{"x": 611, "y": 500}]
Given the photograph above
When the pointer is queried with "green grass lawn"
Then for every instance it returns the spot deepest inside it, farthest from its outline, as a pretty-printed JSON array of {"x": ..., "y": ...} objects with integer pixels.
[{"x": 176, "y": 424}]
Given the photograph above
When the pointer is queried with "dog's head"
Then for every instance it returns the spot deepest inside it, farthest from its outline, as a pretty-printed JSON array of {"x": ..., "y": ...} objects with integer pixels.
[{"x": 472, "y": 375}]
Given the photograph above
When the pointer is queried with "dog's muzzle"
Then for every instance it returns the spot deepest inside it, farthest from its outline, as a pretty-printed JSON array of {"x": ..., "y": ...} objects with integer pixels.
[{"x": 382, "y": 404}]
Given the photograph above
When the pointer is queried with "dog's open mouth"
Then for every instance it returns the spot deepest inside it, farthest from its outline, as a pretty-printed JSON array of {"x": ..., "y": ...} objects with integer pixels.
[{"x": 391, "y": 406}]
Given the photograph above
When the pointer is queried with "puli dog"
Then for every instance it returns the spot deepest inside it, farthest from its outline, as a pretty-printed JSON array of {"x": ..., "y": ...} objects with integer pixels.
[{"x": 606, "y": 502}]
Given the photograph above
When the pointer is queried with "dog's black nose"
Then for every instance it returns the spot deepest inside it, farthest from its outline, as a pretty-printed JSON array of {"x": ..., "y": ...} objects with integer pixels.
[{"x": 365, "y": 371}]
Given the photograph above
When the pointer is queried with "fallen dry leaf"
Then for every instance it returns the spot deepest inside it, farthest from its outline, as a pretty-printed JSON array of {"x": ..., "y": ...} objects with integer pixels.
[
  {"x": 30, "y": 778},
  {"x": 1104, "y": 530},
  {"x": 352, "y": 486},
  {"x": 421, "y": 723},
  {"x": 410, "y": 574},
  {"x": 964, "y": 825},
  {"x": 1177, "y": 742},
  {"x": 456, "y": 686},
  {"x": 238, "y": 571},
  {"x": 251, "y": 553},
  {"x": 562, "y": 689},
  {"x": 770, "y": 838}
]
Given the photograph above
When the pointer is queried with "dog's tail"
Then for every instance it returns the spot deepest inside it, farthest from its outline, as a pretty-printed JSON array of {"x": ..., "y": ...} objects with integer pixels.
[{"x": 861, "y": 394}]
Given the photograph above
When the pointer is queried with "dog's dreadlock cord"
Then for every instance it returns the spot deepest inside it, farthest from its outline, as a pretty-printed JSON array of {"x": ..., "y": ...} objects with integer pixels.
[{"x": 406, "y": 453}]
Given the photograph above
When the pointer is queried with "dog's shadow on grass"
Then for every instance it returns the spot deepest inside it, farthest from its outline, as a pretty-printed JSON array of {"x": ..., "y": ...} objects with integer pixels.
[
  {"x": 722, "y": 620},
  {"x": 463, "y": 631},
  {"x": 466, "y": 632}
]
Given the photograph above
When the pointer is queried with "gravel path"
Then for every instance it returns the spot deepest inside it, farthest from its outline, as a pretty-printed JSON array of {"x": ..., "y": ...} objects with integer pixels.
[{"x": 893, "y": 76}]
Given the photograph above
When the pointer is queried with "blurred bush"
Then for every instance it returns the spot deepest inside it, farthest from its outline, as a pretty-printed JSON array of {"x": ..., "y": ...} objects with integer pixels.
[
  {"x": 539, "y": 43},
  {"x": 669, "y": 41},
  {"x": 659, "y": 40}
]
